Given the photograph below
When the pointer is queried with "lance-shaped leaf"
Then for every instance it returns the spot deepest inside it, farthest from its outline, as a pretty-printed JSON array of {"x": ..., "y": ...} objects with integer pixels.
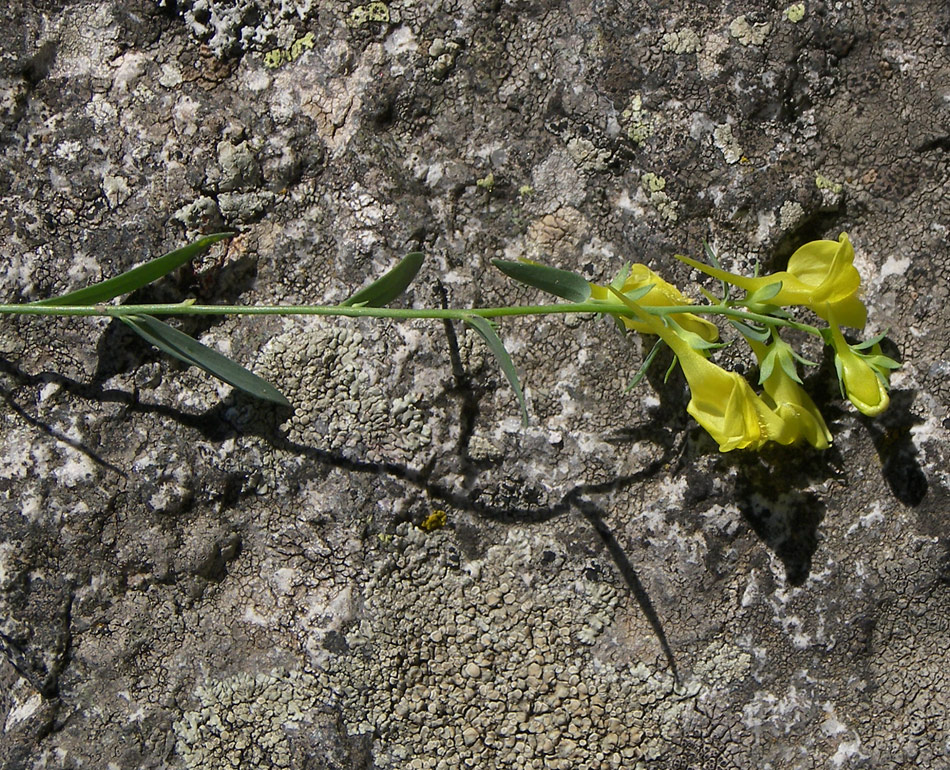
[
  {"x": 621, "y": 278},
  {"x": 487, "y": 332},
  {"x": 135, "y": 278},
  {"x": 751, "y": 331},
  {"x": 714, "y": 260},
  {"x": 767, "y": 366},
  {"x": 561, "y": 283},
  {"x": 179, "y": 345},
  {"x": 641, "y": 372},
  {"x": 871, "y": 342},
  {"x": 390, "y": 285}
]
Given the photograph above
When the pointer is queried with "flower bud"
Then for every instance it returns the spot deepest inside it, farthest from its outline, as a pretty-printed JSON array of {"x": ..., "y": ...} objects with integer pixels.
[{"x": 866, "y": 386}]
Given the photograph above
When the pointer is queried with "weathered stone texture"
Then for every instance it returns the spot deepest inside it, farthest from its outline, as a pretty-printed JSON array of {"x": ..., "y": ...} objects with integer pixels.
[{"x": 189, "y": 579}]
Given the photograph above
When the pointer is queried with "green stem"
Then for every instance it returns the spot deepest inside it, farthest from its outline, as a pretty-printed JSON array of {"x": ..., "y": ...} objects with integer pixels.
[
  {"x": 117, "y": 311},
  {"x": 733, "y": 312},
  {"x": 323, "y": 310}
]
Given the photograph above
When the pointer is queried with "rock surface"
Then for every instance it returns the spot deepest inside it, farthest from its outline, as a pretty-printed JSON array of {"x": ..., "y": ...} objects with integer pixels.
[{"x": 190, "y": 579}]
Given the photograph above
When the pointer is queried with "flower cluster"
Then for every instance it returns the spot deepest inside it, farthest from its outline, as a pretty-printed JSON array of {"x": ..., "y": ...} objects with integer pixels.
[{"x": 821, "y": 277}]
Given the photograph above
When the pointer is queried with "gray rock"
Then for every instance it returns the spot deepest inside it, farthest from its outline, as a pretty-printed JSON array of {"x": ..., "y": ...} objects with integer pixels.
[{"x": 396, "y": 573}]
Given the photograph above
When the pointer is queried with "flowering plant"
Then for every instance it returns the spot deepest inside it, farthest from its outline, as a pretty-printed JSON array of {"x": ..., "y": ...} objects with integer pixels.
[{"x": 821, "y": 278}]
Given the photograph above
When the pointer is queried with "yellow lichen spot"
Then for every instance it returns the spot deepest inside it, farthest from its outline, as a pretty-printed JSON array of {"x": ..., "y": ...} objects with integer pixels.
[
  {"x": 824, "y": 183},
  {"x": 435, "y": 520},
  {"x": 301, "y": 44},
  {"x": 745, "y": 161},
  {"x": 274, "y": 58},
  {"x": 795, "y": 13},
  {"x": 278, "y": 56},
  {"x": 653, "y": 183},
  {"x": 486, "y": 182},
  {"x": 363, "y": 14},
  {"x": 525, "y": 190}
]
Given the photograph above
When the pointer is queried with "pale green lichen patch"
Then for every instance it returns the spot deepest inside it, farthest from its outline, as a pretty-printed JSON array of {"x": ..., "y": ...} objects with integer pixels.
[
  {"x": 790, "y": 215},
  {"x": 370, "y": 12},
  {"x": 749, "y": 34},
  {"x": 587, "y": 155},
  {"x": 681, "y": 41},
  {"x": 494, "y": 663},
  {"x": 794, "y": 13},
  {"x": 652, "y": 183},
  {"x": 278, "y": 56},
  {"x": 503, "y": 659},
  {"x": 655, "y": 188},
  {"x": 728, "y": 145},
  {"x": 338, "y": 404},
  {"x": 638, "y": 122},
  {"x": 243, "y": 721}
]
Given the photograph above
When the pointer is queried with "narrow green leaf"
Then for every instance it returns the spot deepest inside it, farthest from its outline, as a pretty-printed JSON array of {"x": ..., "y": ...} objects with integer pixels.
[
  {"x": 751, "y": 331},
  {"x": 768, "y": 365},
  {"x": 487, "y": 332},
  {"x": 635, "y": 295},
  {"x": 713, "y": 299},
  {"x": 641, "y": 372},
  {"x": 871, "y": 342},
  {"x": 630, "y": 300},
  {"x": 561, "y": 283},
  {"x": 621, "y": 278},
  {"x": 714, "y": 260},
  {"x": 390, "y": 285},
  {"x": 787, "y": 362},
  {"x": 882, "y": 362},
  {"x": 137, "y": 277},
  {"x": 801, "y": 359},
  {"x": 839, "y": 370},
  {"x": 669, "y": 370},
  {"x": 179, "y": 345}
]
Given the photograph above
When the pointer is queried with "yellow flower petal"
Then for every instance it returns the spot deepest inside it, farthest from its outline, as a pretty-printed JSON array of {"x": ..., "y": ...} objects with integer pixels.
[
  {"x": 662, "y": 294},
  {"x": 722, "y": 402},
  {"x": 821, "y": 276},
  {"x": 801, "y": 419}
]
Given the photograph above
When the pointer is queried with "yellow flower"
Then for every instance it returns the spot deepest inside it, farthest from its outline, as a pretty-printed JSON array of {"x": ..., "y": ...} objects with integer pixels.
[
  {"x": 662, "y": 294},
  {"x": 865, "y": 386},
  {"x": 800, "y": 417},
  {"x": 821, "y": 276},
  {"x": 722, "y": 402}
]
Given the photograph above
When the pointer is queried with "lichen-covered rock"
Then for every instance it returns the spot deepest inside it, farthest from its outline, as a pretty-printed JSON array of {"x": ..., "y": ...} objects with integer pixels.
[
  {"x": 396, "y": 573},
  {"x": 342, "y": 405}
]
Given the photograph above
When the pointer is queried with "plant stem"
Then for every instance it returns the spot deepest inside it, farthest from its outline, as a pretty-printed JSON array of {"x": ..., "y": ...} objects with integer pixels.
[{"x": 117, "y": 311}]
